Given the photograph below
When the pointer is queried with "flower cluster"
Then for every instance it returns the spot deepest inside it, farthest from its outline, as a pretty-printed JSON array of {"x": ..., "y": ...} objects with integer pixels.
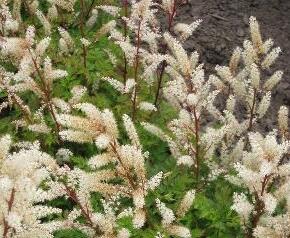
[
  {"x": 194, "y": 96},
  {"x": 145, "y": 50},
  {"x": 129, "y": 159},
  {"x": 112, "y": 190},
  {"x": 258, "y": 170},
  {"x": 22, "y": 213},
  {"x": 22, "y": 197},
  {"x": 34, "y": 73}
]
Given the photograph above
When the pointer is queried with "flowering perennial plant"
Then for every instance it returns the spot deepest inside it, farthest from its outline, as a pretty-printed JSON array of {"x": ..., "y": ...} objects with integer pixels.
[{"x": 69, "y": 165}]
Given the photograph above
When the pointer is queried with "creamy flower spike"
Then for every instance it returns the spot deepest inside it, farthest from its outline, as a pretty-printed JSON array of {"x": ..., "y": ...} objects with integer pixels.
[
  {"x": 257, "y": 171},
  {"x": 21, "y": 212}
]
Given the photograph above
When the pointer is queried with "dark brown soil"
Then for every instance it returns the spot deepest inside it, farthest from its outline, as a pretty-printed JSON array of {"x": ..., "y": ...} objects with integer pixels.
[{"x": 225, "y": 26}]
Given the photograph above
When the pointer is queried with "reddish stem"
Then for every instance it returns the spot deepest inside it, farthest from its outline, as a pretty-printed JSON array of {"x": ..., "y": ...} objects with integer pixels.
[
  {"x": 84, "y": 210},
  {"x": 197, "y": 149},
  {"x": 10, "y": 204},
  {"x": 252, "y": 111},
  {"x": 83, "y": 35},
  {"x": 259, "y": 207},
  {"x": 125, "y": 70},
  {"x": 127, "y": 172},
  {"x": 47, "y": 95},
  {"x": 170, "y": 18},
  {"x": 136, "y": 71}
]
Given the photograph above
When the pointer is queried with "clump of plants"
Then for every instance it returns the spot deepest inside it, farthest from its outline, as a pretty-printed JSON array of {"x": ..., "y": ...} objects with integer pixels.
[{"x": 112, "y": 129}]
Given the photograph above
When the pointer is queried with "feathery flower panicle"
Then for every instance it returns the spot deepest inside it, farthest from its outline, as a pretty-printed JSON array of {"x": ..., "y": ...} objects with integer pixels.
[
  {"x": 105, "y": 29},
  {"x": 123, "y": 233},
  {"x": 242, "y": 206},
  {"x": 63, "y": 47},
  {"x": 39, "y": 128},
  {"x": 154, "y": 130},
  {"x": 146, "y": 106},
  {"x": 77, "y": 92},
  {"x": 16, "y": 10},
  {"x": 255, "y": 76},
  {"x": 87, "y": 129},
  {"x": 52, "y": 13},
  {"x": 63, "y": 154},
  {"x": 9, "y": 24},
  {"x": 151, "y": 63},
  {"x": 119, "y": 86},
  {"x": 67, "y": 5},
  {"x": 231, "y": 103},
  {"x": 283, "y": 115},
  {"x": 271, "y": 58},
  {"x": 101, "y": 160},
  {"x": 112, "y": 10},
  {"x": 185, "y": 160},
  {"x": 46, "y": 24},
  {"x": 235, "y": 60},
  {"x": 66, "y": 43},
  {"x": 273, "y": 80},
  {"x": 140, "y": 49},
  {"x": 128, "y": 159},
  {"x": 168, "y": 6},
  {"x": 167, "y": 214},
  {"x": 181, "y": 58},
  {"x": 112, "y": 57},
  {"x": 78, "y": 187},
  {"x": 168, "y": 218},
  {"x": 274, "y": 227},
  {"x": 256, "y": 34},
  {"x": 155, "y": 181},
  {"x": 186, "y": 30},
  {"x": 5, "y": 146},
  {"x": 131, "y": 131},
  {"x": 139, "y": 218},
  {"x": 179, "y": 231},
  {"x": 264, "y": 105},
  {"x": 62, "y": 105},
  {"x": 186, "y": 203},
  {"x": 93, "y": 18}
]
